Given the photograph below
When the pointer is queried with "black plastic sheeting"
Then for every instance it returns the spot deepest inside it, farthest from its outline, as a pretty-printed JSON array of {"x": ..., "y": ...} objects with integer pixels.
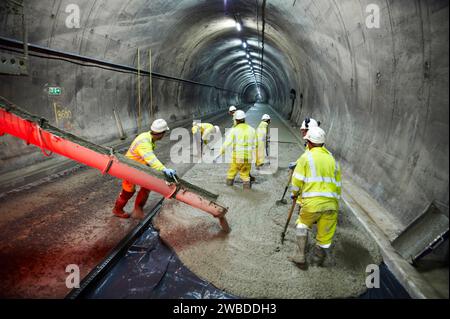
[{"x": 152, "y": 270}]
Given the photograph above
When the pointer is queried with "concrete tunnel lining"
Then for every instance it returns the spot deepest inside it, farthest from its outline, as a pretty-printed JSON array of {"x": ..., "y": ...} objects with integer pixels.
[{"x": 382, "y": 94}]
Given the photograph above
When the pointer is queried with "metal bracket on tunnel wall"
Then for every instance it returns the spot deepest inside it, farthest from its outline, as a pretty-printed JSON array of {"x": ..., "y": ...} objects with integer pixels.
[{"x": 12, "y": 63}]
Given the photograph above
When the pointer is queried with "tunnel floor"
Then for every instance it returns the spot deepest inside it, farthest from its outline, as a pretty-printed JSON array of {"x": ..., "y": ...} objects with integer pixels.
[
  {"x": 68, "y": 221},
  {"x": 250, "y": 261}
]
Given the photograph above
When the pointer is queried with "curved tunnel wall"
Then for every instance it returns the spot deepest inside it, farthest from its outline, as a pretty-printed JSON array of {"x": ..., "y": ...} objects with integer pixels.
[{"x": 382, "y": 94}]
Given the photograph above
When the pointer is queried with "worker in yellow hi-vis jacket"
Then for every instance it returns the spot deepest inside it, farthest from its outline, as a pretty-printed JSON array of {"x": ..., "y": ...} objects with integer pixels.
[
  {"x": 142, "y": 150},
  {"x": 316, "y": 185},
  {"x": 242, "y": 139},
  {"x": 205, "y": 130},
  {"x": 263, "y": 136}
]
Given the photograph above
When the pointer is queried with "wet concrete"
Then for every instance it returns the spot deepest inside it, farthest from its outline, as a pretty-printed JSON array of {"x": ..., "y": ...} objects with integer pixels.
[{"x": 251, "y": 262}]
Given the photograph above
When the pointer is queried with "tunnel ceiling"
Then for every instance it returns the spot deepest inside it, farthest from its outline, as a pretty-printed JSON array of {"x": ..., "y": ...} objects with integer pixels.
[{"x": 381, "y": 93}]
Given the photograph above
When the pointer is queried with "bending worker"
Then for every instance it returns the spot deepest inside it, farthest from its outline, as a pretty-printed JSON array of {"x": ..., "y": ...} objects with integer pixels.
[
  {"x": 205, "y": 130},
  {"x": 242, "y": 139},
  {"x": 263, "y": 136},
  {"x": 316, "y": 185},
  {"x": 142, "y": 151},
  {"x": 307, "y": 124}
]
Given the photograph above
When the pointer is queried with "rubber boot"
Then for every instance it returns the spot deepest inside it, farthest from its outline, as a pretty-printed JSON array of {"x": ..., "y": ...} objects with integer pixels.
[
  {"x": 230, "y": 182},
  {"x": 318, "y": 256},
  {"x": 247, "y": 185},
  {"x": 299, "y": 257},
  {"x": 141, "y": 199},
  {"x": 121, "y": 201}
]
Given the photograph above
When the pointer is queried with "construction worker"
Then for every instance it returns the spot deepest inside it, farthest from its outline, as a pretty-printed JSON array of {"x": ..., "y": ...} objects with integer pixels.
[
  {"x": 232, "y": 112},
  {"x": 307, "y": 124},
  {"x": 205, "y": 130},
  {"x": 142, "y": 151},
  {"x": 242, "y": 139},
  {"x": 263, "y": 136},
  {"x": 316, "y": 185}
]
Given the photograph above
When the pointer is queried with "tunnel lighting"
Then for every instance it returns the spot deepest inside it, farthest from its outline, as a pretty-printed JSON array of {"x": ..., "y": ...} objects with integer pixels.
[
  {"x": 248, "y": 56},
  {"x": 244, "y": 44},
  {"x": 238, "y": 26}
]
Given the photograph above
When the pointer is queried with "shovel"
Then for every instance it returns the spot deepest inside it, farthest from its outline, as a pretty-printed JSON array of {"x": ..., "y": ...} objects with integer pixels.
[
  {"x": 294, "y": 203},
  {"x": 282, "y": 201}
]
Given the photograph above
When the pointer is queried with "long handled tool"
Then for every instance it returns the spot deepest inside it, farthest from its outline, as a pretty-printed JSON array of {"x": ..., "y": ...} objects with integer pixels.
[
  {"x": 291, "y": 211},
  {"x": 282, "y": 201}
]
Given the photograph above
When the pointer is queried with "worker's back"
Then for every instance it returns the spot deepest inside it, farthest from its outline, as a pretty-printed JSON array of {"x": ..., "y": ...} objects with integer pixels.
[{"x": 319, "y": 177}]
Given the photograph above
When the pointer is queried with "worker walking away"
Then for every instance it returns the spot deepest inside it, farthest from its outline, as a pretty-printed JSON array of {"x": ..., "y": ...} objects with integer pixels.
[
  {"x": 307, "y": 124},
  {"x": 242, "y": 139},
  {"x": 142, "y": 151},
  {"x": 316, "y": 185},
  {"x": 232, "y": 112},
  {"x": 263, "y": 136},
  {"x": 205, "y": 131}
]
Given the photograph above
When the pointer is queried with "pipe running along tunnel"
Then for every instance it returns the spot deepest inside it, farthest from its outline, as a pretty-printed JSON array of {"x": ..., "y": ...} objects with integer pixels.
[{"x": 380, "y": 91}]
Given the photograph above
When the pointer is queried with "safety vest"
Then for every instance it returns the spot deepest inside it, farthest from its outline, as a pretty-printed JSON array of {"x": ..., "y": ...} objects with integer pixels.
[
  {"x": 317, "y": 181},
  {"x": 202, "y": 127},
  {"x": 262, "y": 133},
  {"x": 142, "y": 151},
  {"x": 243, "y": 140}
]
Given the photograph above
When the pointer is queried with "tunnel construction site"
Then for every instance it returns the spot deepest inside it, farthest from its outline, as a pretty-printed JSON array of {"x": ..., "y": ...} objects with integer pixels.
[{"x": 83, "y": 86}]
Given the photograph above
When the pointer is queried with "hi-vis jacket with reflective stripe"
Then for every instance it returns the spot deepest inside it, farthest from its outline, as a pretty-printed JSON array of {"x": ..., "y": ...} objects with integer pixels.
[
  {"x": 202, "y": 127},
  {"x": 317, "y": 181},
  {"x": 262, "y": 133},
  {"x": 242, "y": 138},
  {"x": 142, "y": 151}
]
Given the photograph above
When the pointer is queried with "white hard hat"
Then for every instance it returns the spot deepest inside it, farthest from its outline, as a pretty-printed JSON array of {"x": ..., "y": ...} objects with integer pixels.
[
  {"x": 309, "y": 123},
  {"x": 159, "y": 126},
  {"x": 316, "y": 135},
  {"x": 266, "y": 117},
  {"x": 233, "y": 108},
  {"x": 240, "y": 115}
]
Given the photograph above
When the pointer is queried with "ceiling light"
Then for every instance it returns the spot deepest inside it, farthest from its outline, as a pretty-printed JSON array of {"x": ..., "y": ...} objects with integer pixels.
[{"x": 238, "y": 26}]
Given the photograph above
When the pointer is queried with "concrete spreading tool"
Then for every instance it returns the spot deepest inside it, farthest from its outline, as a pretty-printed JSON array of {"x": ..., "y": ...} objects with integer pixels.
[
  {"x": 282, "y": 201},
  {"x": 291, "y": 211}
]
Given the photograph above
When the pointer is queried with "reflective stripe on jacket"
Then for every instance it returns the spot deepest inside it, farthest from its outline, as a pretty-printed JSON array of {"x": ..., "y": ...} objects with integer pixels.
[
  {"x": 242, "y": 138},
  {"x": 317, "y": 181},
  {"x": 142, "y": 151}
]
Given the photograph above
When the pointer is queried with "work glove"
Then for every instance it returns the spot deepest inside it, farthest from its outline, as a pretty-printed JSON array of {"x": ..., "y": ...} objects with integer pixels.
[
  {"x": 292, "y": 165},
  {"x": 294, "y": 196},
  {"x": 171, "y": 173}
]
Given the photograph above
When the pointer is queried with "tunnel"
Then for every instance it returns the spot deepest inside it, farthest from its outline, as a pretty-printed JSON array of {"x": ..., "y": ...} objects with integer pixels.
[{"x": 374, "y": 73}]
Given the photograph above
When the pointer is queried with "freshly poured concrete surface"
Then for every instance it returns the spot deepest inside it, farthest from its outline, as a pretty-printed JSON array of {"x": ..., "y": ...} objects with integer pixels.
[{"x": 250, "y": 261}]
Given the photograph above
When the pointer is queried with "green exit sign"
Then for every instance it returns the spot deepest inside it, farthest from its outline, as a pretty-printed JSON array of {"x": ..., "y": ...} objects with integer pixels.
[{"x": 54, "y": 91}]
